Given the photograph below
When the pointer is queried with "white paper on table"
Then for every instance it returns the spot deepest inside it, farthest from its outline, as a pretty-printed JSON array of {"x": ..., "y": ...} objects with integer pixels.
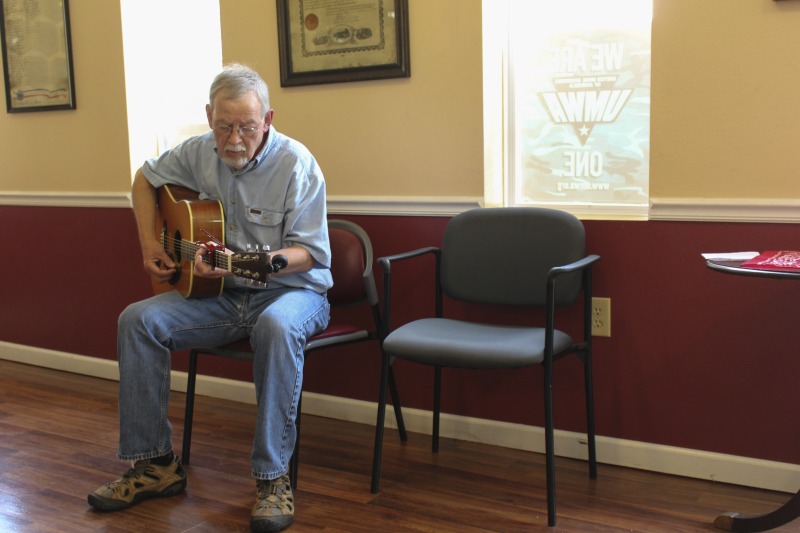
[{"x": 730, "y": 256}]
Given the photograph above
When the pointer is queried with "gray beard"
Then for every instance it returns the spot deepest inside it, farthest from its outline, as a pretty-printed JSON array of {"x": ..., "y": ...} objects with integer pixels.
[{"x": 237, "y": 163}]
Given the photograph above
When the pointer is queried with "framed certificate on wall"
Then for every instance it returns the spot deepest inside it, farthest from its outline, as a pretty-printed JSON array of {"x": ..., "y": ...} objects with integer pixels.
[
  {"x": 333, "y": 41},
  {"x": 37, "y": 55}
]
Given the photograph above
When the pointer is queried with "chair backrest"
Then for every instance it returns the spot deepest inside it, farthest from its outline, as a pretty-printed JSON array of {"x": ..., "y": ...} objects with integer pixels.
[
  {"x": 351, "y": 264},
  {"x": 503, "y": 255}
]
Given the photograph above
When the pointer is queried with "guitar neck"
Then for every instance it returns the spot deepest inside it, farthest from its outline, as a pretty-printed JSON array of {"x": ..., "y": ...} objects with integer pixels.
[
  {"x": 188, "y": 250},
  {"x": 254, "y": 266}
]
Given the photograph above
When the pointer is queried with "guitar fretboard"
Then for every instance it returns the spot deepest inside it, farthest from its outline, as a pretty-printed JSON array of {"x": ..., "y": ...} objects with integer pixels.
[{"x": 187, "y": 250}]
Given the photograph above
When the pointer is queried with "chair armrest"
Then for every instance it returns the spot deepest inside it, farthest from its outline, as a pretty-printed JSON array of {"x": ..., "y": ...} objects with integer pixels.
[
  {"x": 572, "y": 267},
  {"x": 585, "y": 265},
  {"x": 386, "y": 261},
  {"x": 386, "y": 265}
]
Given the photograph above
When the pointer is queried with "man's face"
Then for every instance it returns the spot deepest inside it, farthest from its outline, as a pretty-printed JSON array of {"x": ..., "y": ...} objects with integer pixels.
[{"x": 239, "y": 128}]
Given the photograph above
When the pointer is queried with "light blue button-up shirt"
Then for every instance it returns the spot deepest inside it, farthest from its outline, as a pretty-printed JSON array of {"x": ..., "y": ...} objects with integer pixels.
[{"x": 278, "y": 199}]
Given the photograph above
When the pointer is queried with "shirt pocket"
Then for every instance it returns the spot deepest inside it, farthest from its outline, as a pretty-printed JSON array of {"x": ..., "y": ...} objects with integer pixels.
[{"x": 264, "y": 217}]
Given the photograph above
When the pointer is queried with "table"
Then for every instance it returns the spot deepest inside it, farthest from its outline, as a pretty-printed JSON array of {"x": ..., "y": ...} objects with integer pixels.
[
  {"x": 733, "y": 267},
  {"x": 791, "y": 509}
]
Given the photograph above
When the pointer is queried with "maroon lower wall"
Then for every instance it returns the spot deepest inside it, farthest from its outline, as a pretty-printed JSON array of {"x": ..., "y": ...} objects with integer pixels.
[{"x": 697, "y": 359}]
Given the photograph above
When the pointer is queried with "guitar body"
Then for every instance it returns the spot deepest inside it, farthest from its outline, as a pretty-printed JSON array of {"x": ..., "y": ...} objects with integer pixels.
[{"x": 180, "y": 219}]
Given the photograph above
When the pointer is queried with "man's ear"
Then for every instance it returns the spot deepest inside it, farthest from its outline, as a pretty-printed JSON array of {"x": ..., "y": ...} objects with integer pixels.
[
  {"x": 268, "y": 119},
  {"x": 209, "y": 114}
]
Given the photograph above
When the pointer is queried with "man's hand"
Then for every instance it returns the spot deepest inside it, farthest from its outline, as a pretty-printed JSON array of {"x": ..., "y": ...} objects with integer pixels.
[
  {"x": 203, "y": 269},
  {"x": 157, "y": 263}
]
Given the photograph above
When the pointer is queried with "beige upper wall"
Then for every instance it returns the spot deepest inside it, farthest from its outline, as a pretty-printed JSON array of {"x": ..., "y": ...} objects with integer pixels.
[
  {"x": 725, "y": 99},
  {"x": 418, "y": 136},
  {"x": 81, "y": 150},
  {"x": 725, "y": 105}
]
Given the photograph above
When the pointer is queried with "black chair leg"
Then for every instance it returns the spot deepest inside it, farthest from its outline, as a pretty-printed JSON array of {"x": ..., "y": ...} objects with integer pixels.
[
  {"x": 590, "y": 428},
  {"x": 398, "y": 413},
  {"x": 549, "y": 442},
  {"x": 189, "y": 412},
  {"x": 585, "y": 355},
  {"x": 378, "y": 449},
  {"x": 437, "y": 397}
]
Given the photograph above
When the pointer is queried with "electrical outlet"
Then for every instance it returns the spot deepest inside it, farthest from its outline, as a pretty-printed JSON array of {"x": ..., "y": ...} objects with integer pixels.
[{"x": 601, "y": 317}]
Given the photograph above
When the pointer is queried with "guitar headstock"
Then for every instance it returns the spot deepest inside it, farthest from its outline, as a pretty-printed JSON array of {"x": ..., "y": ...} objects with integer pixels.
[{"x": 254, "y": 266}]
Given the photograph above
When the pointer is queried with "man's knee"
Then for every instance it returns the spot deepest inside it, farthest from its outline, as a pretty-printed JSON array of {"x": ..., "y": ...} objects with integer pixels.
[
  {"x": 272, "y": 325},
  {"x": 130, "y": 315}
]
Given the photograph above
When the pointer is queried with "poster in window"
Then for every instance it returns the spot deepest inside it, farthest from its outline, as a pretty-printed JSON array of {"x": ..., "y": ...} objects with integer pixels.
[{"x": 582, "y": 103}]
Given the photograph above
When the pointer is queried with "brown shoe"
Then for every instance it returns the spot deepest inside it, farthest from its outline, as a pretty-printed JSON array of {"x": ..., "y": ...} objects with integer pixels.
[
  {"x": 274, "y": 507},
  {"x": 144, "y": 480}
]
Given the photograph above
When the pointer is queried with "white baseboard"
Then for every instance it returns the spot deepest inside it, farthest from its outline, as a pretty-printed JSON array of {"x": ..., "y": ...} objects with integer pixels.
[{"x": 699, "y": 464}]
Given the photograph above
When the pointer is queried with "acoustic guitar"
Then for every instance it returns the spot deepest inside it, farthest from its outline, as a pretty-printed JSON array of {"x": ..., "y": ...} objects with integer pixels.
[{"x": 183, "y": 223}]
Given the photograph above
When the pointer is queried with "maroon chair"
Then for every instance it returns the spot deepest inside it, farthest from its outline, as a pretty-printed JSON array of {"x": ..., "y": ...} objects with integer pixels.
[{"x": 353, "y": 285}]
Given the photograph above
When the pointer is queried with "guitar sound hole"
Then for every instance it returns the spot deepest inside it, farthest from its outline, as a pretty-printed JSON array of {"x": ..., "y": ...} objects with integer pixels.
[
  {"x": 175, "y": 255},
  {"x": 176, "y": 248},
  {"x": 177, "y": 275}
]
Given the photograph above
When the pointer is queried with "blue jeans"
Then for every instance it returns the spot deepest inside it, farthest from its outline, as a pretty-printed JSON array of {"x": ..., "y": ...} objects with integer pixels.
[{"x": 278, "y": 321}]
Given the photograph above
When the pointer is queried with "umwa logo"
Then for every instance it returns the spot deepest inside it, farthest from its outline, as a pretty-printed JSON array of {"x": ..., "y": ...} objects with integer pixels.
[{"x": 586, "y": 93}]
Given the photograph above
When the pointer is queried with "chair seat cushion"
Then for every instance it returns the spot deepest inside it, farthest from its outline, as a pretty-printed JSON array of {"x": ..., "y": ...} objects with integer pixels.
[
  {"x": 456, "y": 343},
  {"x": 338, "y": 334},
  {"x": 333, "y": 334},
  {"x": 336, "y": 330}
]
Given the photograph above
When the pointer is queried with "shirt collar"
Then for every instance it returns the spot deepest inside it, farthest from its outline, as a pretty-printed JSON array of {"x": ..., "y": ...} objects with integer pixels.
[{"x": 264, "y": 149}]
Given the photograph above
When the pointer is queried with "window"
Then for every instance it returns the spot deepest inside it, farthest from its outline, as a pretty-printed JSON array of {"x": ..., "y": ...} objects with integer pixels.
[
  {"x": 567, "y": 105},
  {"x": 172, "y": 51}
]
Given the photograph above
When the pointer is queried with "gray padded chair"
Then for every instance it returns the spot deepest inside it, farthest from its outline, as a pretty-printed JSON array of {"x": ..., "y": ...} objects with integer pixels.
[{"x": 529, "y": 257}]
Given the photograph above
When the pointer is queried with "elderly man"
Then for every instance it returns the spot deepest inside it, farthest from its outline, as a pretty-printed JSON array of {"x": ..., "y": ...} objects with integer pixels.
[{"x": 272, "y": 193}]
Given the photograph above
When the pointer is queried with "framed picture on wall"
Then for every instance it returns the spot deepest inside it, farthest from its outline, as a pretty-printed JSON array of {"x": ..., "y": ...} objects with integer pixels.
[
  {"x": 37, "y": 55},
  {"x": 333, "y": 41}
]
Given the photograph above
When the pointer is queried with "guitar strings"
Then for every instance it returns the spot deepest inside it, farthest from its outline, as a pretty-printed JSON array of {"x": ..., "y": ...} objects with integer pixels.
[{"x": 188, "y": 250}]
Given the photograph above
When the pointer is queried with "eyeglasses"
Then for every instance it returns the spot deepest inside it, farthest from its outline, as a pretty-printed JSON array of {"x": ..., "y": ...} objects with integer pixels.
[{"x": 244, "y": 131}]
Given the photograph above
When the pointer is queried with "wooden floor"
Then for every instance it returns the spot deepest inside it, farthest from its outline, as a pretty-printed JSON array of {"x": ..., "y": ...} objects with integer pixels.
[{"x": 58, "y": 437}]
